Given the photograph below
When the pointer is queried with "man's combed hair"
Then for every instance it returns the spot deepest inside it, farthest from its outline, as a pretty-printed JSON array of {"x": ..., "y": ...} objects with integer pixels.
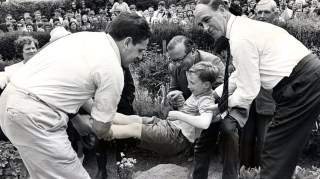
[
  {"x": 206, "y": 71},
  {"x": 214, "y": 4},
  {"x": 129, "y": 25}
]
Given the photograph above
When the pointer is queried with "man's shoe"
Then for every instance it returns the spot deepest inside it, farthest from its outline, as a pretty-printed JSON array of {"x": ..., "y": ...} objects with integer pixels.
[{"x": 102, "y": 174}]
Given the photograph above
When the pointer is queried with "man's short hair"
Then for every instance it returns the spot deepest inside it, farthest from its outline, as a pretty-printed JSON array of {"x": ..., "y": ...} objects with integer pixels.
[
  {"x": 180, "y": 39},
  {"x": 270, "y": 3},
  {"x": 214, "y": 4},
  {"x": 162, "y": 3},
  {"x": 129, "y": 25},
  {"x": 206, "y": 71}
]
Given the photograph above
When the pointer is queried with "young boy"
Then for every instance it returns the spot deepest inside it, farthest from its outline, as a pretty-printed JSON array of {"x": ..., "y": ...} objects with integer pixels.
[{"x": 173, "y": 135}]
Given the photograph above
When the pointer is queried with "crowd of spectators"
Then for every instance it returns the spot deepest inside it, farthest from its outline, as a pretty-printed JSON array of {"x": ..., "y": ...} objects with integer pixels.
[{"x": 81, "y": 17}]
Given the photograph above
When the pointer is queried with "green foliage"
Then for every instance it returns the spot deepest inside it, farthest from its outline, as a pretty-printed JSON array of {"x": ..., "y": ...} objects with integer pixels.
[
  {"x": 11, "y": 165},
  {"x": 302, "y": 173},
  {"x": 17, "y": 8},
  {"x": 166, "y": 31}
]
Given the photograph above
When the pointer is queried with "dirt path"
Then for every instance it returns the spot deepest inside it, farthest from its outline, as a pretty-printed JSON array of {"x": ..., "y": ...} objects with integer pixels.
[{"x": 145, "y": 161}]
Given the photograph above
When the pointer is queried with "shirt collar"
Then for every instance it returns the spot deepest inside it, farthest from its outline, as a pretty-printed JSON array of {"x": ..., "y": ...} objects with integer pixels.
[
  {"x": 229, "y": 25},
  {"x": 114, "y": 46},
  {"x": 209, "y": 93}
]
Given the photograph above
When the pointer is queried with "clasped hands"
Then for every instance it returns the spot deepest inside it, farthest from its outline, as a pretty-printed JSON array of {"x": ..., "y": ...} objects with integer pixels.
[{"x": 86, "y": 125}]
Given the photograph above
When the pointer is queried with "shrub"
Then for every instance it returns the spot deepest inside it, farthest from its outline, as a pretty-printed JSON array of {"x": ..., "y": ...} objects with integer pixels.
[
  {"x": 17, "y": 8},
  {"x": 11, "y": 165}
]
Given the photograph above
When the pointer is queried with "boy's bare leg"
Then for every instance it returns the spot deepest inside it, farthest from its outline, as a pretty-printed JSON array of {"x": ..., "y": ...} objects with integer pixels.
[
  {"x": 122, "y": 119},
  {"x": 126, "y": 131}
]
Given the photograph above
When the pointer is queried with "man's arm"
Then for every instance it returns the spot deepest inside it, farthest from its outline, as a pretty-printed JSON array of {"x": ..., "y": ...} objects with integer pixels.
[
  {"x": 173, "y": 78},
  {"x": 107, "y": 96}
]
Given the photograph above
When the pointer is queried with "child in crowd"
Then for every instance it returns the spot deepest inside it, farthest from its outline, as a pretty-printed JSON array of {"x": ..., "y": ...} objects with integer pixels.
[{"x": 182, "y": 127}]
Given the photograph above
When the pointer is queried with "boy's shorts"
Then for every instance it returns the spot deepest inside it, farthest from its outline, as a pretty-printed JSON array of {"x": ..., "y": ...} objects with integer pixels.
[{"x": 163, "y": 137}]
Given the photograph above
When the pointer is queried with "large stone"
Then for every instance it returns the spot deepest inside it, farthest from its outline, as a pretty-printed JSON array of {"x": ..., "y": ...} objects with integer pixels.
[{"x": 165, "y": 171}]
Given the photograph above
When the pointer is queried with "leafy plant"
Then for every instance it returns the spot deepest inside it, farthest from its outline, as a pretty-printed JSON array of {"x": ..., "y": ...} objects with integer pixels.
[
  {"x": 126, "y": 167},
  {"x": 11, "y": 165}
]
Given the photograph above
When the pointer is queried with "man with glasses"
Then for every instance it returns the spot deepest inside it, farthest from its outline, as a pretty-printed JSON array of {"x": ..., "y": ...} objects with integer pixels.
[{"x": 183, "y": 55}]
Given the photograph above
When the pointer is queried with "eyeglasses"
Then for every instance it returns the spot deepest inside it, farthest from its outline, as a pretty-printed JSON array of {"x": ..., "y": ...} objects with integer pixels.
[{"x": 176, "y": 60}]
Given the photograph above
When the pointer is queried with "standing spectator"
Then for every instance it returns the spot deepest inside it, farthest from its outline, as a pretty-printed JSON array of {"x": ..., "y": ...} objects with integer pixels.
[
  {"x": 173, "y": 9},
  {"x": 150, "y": 15},
  {"x": 109, "y": 6},
  {"x": 57, "y": 15},
  {"x": 192, "y": 5},
  {"x": 160, "y": 13},
  {"x": 120, "y": 6},
  {"x": 37, "y": 17}
]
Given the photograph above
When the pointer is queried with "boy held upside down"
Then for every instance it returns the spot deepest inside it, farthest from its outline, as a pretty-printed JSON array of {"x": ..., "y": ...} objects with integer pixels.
[{"x": 174, "y": 134}]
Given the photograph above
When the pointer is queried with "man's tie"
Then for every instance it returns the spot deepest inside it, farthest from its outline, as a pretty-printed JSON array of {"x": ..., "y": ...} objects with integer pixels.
[{"x": 223, "y": 103}]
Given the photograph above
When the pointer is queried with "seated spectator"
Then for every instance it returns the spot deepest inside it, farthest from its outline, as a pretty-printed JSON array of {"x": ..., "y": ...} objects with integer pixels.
[
  {"x": 182, "y": 127},
  {"x": 25, "y": 47},
  {"x": 120, "y": 6}
]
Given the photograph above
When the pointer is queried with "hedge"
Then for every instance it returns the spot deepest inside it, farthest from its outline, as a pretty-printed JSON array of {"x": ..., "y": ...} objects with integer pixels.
[
  {"x": 16, "y": 8},
  {"x": 307, "y": 31}
]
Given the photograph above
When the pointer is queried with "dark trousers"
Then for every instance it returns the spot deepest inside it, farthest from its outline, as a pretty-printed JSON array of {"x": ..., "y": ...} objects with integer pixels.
[
  {"x": 252, "y": 138},
  {"x": 229, "y": 149},
  {"x": 203, "y": 151},
  {"x": 297, "y": 109}
]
